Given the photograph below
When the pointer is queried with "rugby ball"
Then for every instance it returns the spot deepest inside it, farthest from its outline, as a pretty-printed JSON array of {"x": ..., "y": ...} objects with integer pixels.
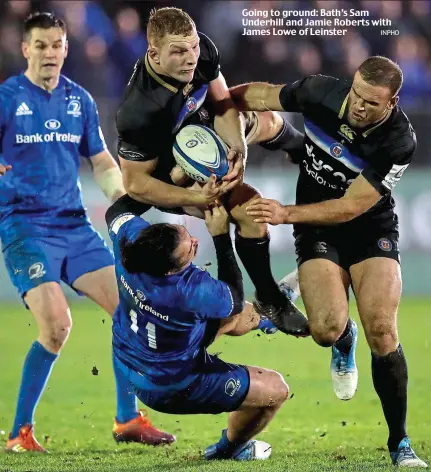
[{"x": 200, "y": 152}]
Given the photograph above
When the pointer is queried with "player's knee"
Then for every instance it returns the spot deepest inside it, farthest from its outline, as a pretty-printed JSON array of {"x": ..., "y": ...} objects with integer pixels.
[
  {"x": 280, "y": 389},
  {"x": 325, "y": 334},
  {"x": 54, "y": 335},
  {"x": 382, "y": 339}
]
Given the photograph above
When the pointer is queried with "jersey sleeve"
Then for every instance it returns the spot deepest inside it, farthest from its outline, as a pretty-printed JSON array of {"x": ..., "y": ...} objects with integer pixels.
[
  {"x": 209, "y": 60},
  {"x": 390, "y": 163},
  {"x": 297, "y": 97},
  {"x": 93, "y": 141},
  {"x": 208, "y": 297}
]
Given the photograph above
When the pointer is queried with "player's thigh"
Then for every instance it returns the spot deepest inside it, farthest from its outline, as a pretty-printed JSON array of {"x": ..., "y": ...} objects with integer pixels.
[
  {"x": 51, "y": 311},
  {"x": 377, "y": 285},
  {"x": 31, "y": 262},
  {"x": 101, "y": 287},
  {"x": 324, "y": 285}
]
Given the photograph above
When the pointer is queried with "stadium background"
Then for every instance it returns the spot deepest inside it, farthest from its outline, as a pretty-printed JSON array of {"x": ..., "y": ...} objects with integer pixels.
[{"x": 105, "y": 39}]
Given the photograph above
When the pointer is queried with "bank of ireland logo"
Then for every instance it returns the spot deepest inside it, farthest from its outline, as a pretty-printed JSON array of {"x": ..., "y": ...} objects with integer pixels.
[
  {"x": 231, "y": 387},
  {"x": 191, "y": 143},
  {"x": 336, "y": 150},
  {"x": 141, "y": 295},
  {"x": 385, "y": 244},
  {"x": 74, "y": 108},
  {"x": 191, "y": 104},
  {"x": 36, "y": 270}
]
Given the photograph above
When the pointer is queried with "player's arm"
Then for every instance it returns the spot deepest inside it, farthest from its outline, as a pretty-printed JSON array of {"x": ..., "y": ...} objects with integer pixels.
[
  {"x": 125, "y": 205},
  {"x": 295, "y": 97},
  {"x": 3, "y": 166},
  {"x": 107, "y": 175},
  {"x": 144, "y": 188},
  {"x": 364, "y": 192},
  {"x": 228, "y": 123}
]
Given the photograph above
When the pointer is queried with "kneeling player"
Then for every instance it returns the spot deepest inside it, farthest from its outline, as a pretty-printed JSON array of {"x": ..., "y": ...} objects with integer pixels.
[{"x": 170, "y": 311}]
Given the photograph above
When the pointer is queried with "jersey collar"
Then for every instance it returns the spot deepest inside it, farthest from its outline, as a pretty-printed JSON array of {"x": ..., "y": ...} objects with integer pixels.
[
  {"x": 26, "y": 82},
  {"x": 368, "y": 131},
  {"x": 163, "y": 80}
]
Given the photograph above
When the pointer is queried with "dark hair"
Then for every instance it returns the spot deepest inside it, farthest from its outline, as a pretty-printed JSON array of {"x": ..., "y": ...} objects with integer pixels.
[
  {"x": 153, "y": 251},
  {"x": 43, "y": 20},
  {"x": 168, "y": 20},
  {"x": 381, "y": 71}
]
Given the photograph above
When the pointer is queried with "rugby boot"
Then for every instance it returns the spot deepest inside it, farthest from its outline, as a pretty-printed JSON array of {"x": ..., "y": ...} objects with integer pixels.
[
  {"x": 141, "y": 430},
  {"x": 344, "y": 372},
  {"x": 285, "y": 316},
  {"x": 24, "y": 442},
  {"x": 404, "y": 456}
]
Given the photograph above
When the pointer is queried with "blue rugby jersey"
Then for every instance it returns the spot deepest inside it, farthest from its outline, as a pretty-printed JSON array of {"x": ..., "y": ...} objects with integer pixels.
[
  {"x": 43, "y": 135},
  {"x": 160, "y": 322}
]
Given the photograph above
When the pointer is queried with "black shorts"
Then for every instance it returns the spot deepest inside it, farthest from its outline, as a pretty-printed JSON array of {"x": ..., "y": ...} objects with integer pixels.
[{"x": 346, "y": 247}]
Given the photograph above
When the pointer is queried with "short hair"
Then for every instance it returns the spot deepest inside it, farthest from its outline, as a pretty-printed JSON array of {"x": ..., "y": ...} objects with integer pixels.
[
  {"x": 43, "y": 20},
  {"x": 168, "y": 20},
  {"x": 153, "y": 251},
  {"x": 381, "y": 71}
]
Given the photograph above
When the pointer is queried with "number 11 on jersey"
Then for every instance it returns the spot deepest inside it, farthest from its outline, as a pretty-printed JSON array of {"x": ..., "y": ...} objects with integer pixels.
[{"x": 150, "y": 327}]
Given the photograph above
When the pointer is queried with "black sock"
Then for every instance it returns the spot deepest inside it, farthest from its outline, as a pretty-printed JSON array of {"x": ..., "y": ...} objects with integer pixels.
[
  {"x": 254, "y": 254},
  {"x": 345, "y": 341},
  {"x": 390, "y": 381},
  {"x": 289, "y": 139}
]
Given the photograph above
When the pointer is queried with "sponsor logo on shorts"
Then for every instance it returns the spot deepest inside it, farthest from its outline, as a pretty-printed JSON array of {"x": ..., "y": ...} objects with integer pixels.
[
  {"x": 320, "y": 246},
  {"x": 36, "y": 270},
  {"x": 385, "y": 244},
  {"x": 191, "y": 143},
  {"x": 232, "y": 386}
]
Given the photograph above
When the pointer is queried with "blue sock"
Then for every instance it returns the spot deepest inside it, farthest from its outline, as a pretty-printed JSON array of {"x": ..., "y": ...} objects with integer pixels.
[
  {"x": 225, "y": 447},
  {"x": 35, "y": 373},
  {"x": 127, "y": 407},
  {"x": 266, "y": 325}
]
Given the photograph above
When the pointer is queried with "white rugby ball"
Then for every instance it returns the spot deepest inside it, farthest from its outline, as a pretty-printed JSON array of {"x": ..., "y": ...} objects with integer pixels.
[{"x": 200, "y": 152}]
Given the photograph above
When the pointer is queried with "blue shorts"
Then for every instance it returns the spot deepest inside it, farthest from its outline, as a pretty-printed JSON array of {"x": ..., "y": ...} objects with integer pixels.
[
  {"x": 214, "y": 387},
  {"x": 64, "y": 256}
]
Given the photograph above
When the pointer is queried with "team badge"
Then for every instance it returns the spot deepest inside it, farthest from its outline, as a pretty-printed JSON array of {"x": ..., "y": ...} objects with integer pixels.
[
  {"x": 36, "y": 270},
  {"x": 385, "y": 244},
  {"x": 232, "y": 386},
  {"x": 336, "y": 150},
  {"x": 191, "y": 104},
  {"x": 74, "y": 108}
]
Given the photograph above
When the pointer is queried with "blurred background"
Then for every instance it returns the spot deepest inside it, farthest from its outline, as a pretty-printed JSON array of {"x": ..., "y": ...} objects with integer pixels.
[{"x": 107, "y": 37}]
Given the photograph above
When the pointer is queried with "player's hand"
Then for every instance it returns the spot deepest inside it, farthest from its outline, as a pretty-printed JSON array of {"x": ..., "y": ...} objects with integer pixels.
[
  {"x": 236, "y": 167},
  {"x": 217, "y": 220},
  {"x": 178, "y": 176},
  {"x": 212, "y": 190},
  {"x": 4, "y": 169},
  {"x": 267, "y": 211}
]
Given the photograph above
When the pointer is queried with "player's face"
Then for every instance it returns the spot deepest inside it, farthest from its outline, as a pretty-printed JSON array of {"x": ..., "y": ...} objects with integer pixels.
[
  {"x": 45, "y": 51},
  {"x": 368, "y": 104},
  {"x": 187, "y": 248},
  {"x": 178, "y": 56}
]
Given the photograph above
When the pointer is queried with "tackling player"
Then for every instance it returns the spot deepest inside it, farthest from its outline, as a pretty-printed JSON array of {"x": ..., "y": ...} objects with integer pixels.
[
  {"x": 178, "y": 82},
  {"x": 358, "y": 143},
  {"x": 169, "y": 313},
  {"x": 46, "y": 123}
]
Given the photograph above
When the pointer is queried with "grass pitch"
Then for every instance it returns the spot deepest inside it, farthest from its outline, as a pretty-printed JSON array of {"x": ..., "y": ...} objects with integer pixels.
[{"x": 313, "y": 432}]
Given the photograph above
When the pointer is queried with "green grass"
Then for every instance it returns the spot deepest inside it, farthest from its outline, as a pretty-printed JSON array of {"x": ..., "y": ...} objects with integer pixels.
[{"x": 313, "y": 432}]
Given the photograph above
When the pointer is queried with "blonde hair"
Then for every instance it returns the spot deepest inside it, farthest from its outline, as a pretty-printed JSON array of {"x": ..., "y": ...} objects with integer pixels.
[{"x": 168, "y": 20}]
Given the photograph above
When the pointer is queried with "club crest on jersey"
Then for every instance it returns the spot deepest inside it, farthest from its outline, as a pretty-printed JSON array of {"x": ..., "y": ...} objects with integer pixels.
[
  {"x": 191, "y": 104},
  {"x": 36, "y": 270},
  {"x": 347, "y": 132},
  {"x": 336, "y": 150},
  {"x": 74, "y": 108},
  {"x": 384, "y": 244}
]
